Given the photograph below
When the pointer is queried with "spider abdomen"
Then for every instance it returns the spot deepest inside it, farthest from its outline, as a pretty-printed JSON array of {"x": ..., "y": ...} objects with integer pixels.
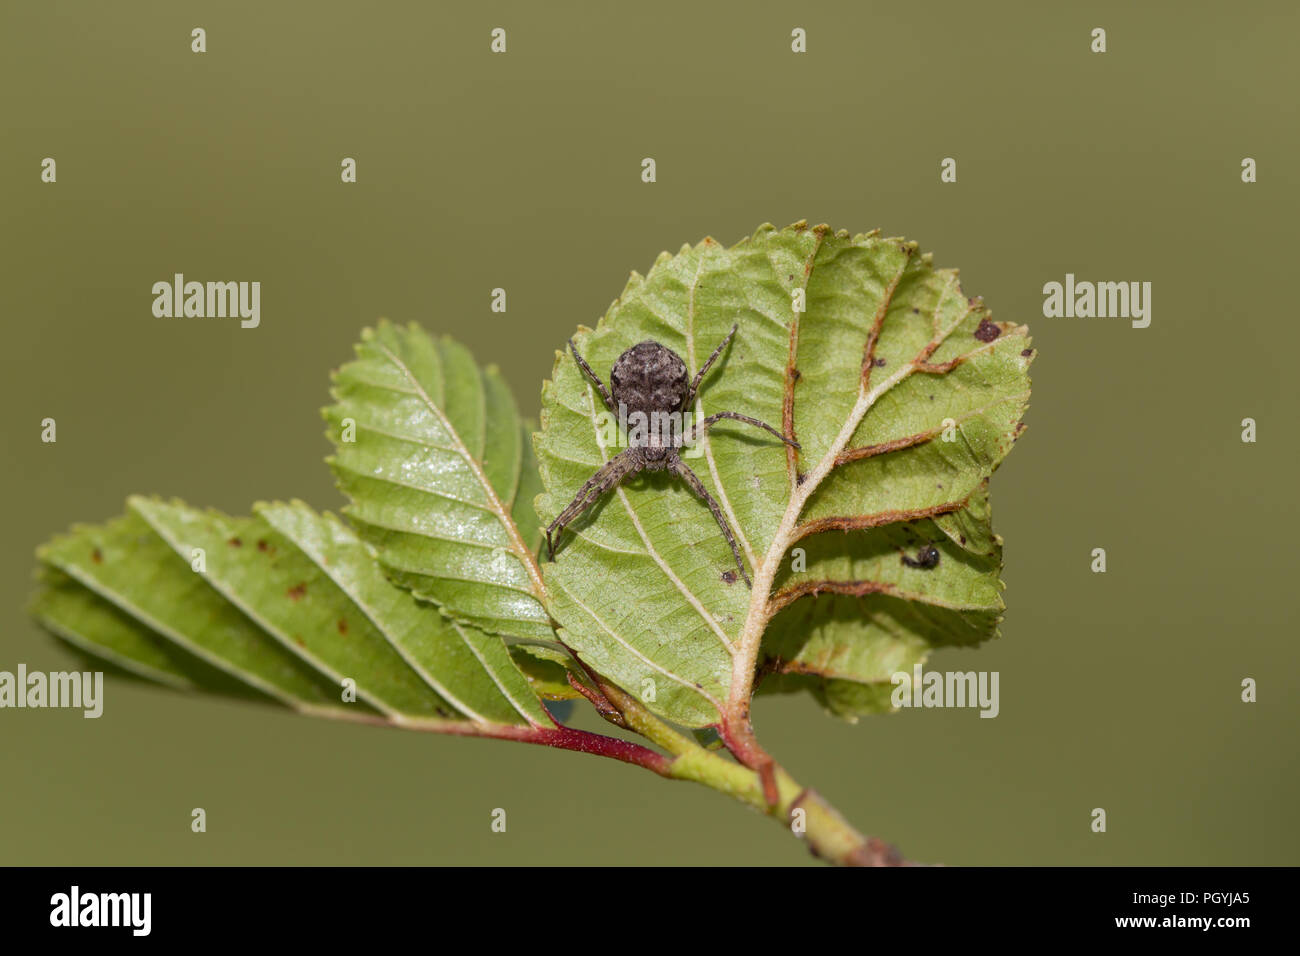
[{"x": 649, "y": 378}]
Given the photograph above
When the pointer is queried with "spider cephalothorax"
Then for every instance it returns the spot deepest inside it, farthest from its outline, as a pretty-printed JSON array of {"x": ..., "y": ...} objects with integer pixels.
[{"x": 650, "y": 394}]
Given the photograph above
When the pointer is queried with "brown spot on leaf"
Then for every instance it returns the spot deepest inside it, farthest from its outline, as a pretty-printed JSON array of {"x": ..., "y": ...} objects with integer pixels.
[
  {"x": 297, "y": 639},
  {"x": 729, "y": 577},
  {"x": 297, "y": 592},
  {"x": 235, "y": 543},
  {"x": 343, "y": 626},
  {"x": 97, "y": 556},
  {"x": 262, "y": 545},
  {"x": 962, "y": 538},
  {"x": 795, "y": 375},
  {"x": 987, "y": 331},
  {"x": 878, "y": 362},
  {"x": 1027, "y": 352},
  {"x": 800, "y": 478}
]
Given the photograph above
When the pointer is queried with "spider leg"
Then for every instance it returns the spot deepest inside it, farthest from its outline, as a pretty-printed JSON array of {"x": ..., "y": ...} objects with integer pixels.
[
  {"x": 699, "y": 376},
  {"x": 605, "y": 478},
  {"x": 736, "y": 416},
  {"x": 680, "y": 468},
  {"x": 600, "y": 386}
]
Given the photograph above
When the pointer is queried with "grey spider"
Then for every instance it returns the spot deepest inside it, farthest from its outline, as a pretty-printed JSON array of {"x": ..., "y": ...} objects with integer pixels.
[{"x": 649, "y": 384}]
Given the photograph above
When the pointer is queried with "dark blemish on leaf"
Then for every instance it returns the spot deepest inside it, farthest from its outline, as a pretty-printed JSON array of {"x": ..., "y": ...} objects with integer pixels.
[
  {"x": 262, "y": 545},
  {"x": 915, "y": 310},
  {"x": 343, "y": 626},
  {"x": 297, "y": 639},
  {"x": 97, "y": 556},
  {"x": 297, "y": 592},
  {"x": 931, "y": 398},
  {"x": 987, "y": 331},
  {"x": 878, "y": 363},
  {"x": 795, "y": 375},
  {"x": 1027, "y": 352},
  {"x": 799, "y": 478},
  {"x": 926, "y": 558},
  {"x": 729, "y": 577},
  {"x": 235, "y": 543},
  {"x": 962, "y": 538},
  {"x": 789, "y": 278}
]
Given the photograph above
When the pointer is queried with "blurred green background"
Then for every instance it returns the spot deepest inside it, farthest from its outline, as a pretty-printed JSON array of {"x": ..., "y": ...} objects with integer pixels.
[{"x": 523, "y": 171}]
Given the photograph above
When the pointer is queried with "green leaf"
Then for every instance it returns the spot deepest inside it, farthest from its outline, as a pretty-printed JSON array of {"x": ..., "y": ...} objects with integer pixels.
[
  {"x": 546, "y": 669},
  {"x": 437, "y": 464},
  {"x": 128, "y": 566},
  {"x": 97, "y": 628},
  {"x": 287, "y": 601},
  {"x": 887, "y": 349},
  {"x": 858, "y": 613},
  {"x": 468, "y": 669}
]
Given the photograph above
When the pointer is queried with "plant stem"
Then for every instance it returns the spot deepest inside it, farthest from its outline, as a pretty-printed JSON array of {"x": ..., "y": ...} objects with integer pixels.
[
  {"x": 768, "y": 788},
  {"x": 561, "y": 737},
  {"x": 829, "y": 836}
]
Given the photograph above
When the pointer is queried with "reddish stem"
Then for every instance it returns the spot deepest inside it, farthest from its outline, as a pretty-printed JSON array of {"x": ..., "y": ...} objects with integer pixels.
[
  {"x": 560, "y": 737},
  {"x": 583, "y": 741},
  {"x": 739, "y": 737}
]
